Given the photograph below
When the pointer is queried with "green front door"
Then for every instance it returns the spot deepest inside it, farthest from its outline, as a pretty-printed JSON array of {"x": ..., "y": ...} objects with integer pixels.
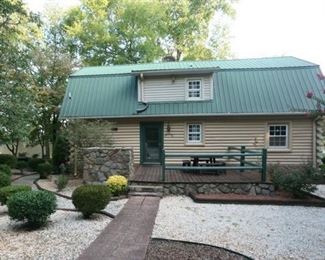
[{"x": 151, "y": 140}]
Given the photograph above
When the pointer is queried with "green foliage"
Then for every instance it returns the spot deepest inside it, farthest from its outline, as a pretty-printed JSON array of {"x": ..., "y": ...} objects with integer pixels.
[
  {"x": 32, "y": 206},
  {"x": 61, "y": 151},
  {"x": 5, "y": 169},
  {"x": 116, "y": 32},
  {"x": 5, "y": 179},
  {"x": 34, "y": 162},
  {"x": 90, "y": 198},
  {"x": 8, "y": 159},
  {"x": 22, "y": 165},
  {"x": 6, "y": 192},
  {"x": 117, "y": 184},
  {"x": 296, "y": 181},
  {"x": 44, "y": 169},
  {"x": 62, "y": 182}
]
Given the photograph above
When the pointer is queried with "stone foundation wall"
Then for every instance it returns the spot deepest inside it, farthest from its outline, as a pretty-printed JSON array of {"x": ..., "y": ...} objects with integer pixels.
[
  {"x": 238, "y": 188},
  {"x": 101, "y": 162}
]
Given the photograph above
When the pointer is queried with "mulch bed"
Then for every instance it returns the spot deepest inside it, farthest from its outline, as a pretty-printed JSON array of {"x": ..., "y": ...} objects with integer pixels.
[
  {"x": 164, "y": 249},
  {"x": 278, "y": 198}
]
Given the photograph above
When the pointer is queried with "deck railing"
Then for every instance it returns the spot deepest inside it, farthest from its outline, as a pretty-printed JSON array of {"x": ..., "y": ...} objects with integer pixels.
[{"x": 233, "y": 153}]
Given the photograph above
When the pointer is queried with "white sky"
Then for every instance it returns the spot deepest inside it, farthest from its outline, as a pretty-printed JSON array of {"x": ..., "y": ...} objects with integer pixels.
[{"x": 263, "y": 28}]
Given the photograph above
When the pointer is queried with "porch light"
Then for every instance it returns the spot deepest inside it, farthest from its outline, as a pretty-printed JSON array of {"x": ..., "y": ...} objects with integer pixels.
[{"x": 168, "y": 128}]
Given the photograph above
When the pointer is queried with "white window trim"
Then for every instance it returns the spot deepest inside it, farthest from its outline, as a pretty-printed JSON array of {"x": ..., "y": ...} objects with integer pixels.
[
  {"x": 275, "y": 148},
  {"x": 187, "y": 89},
  {"x": 194, "y": 142}
]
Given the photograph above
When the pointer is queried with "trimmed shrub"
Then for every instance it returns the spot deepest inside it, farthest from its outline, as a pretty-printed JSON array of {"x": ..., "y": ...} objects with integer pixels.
[
  {"x": 90, "y": 198},
  {"x": 296, "y": 182},
  {"x": 44, "y": 170},
  {"x": 6, "y": 192},
  {"x": 62, "y": 182},
  {"x": 5, "y": 169},
  {"x": 8, "y": 159},
  {"x": 61, "y": 151},
  {"x": 32, "y": 206},
  {"x": 21, "y": 165},
  {"x": 117, "y": 184},
  {"x": 5, "y": 179},
  {"x": 34, "y": 162}
]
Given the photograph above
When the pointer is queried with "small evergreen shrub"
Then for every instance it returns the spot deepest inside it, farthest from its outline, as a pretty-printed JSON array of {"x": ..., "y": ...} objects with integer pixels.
[
  {"x": 61, "y": 151},
  {"x": 44, "y": 170},
  {"x": 90, "y": 198},
  {"x": 297, "y": 182},
  {"x": 62, "y": 182},
  {"x": 8, "y": 159},
  {"x": 5, "y": 169},
  {"x": 6, "y": 192},
  {"x": 34, "y": 162},
  {"x": 117, "y": 184},
  {"x": 32, "y": 206},
  {"x": 5, "y": 179},
  {"x": 22, "y": 165}
]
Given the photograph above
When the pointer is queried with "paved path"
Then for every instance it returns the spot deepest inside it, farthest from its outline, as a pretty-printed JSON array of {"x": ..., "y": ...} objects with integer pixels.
[{"x": 128, "y": 235}]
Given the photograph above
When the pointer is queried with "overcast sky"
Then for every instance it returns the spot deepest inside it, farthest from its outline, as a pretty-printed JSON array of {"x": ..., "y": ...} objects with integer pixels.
[{"x": 264, "y": 28}]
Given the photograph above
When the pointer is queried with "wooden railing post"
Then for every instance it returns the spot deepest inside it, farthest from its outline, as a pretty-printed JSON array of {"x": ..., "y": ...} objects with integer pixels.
[
  {"x": 163, "y": 164},
  {"x": 264, "y": 164},
  {"x": 242, "y": 157}
]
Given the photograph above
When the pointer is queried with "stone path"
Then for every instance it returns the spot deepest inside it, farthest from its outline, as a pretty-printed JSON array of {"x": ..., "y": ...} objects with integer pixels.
[{"x": 128, "y": 235}]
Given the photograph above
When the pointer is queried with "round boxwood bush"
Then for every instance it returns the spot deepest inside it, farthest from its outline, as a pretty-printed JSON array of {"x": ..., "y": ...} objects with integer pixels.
[
  {"x": 8, "y": 159},
  {"x": 32, "y": 206},
  {"x": 34, "y": 162},
  {"x": 22, "y": 165},
  {"x": 5, "y": 179},
  {"x": 44, "y": 169},
  {"x": 5, "y": 169},
  {"x": 6, "y": 192},
  {"x": 90, "y": 198}
]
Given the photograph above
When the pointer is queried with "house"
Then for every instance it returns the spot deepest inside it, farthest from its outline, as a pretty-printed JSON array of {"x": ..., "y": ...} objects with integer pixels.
[{"x": 203, "y": 106}]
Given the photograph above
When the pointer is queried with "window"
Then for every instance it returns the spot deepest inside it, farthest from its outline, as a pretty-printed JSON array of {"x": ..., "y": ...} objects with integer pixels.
[
  {"x": 194, "y": 89},
  {"x": 194, "y": 133},
  {"x": 278, "y": 136}
]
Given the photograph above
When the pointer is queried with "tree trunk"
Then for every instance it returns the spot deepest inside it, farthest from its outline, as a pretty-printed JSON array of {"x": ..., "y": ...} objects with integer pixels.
[{"x": 47, "y": 149}]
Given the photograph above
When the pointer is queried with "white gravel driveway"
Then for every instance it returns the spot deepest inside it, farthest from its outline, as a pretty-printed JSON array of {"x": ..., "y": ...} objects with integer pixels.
[{"x": 262, "y": 232}]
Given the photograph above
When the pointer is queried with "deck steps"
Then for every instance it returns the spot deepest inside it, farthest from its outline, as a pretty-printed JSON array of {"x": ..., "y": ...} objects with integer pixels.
[{"x": 145, "y": 190}]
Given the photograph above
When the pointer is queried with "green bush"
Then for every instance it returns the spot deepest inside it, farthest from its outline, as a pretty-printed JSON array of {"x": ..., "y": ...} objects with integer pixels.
[
  {"x": 90, "y": 198},
  {"x": 22, "y": 165},
  {"x": 8, "y": 159},
  {"x": 32, "y": 206},
  {"x": 5, "y": 169},
  {"x": 6, "y": 192},
  {"x": 62, "y": 182},
  {"x": 61, "y": 151},
  {"x": 44, "y": 170},
  {"x": 296, "y": 181},
  {"x": 34, "y": 162},
  {"x": 5, "y": 179}
]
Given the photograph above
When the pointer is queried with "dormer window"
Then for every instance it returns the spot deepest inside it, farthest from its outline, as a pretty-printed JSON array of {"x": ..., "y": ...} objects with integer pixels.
[{"x": 194, "y": 89}]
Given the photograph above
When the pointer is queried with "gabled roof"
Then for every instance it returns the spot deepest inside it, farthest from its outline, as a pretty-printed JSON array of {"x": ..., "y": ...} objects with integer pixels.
[{"x": 249, "y": 86}]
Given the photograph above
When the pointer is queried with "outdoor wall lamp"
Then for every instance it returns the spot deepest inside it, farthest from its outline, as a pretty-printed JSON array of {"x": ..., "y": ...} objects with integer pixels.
[{"x": 168, "y": 128}]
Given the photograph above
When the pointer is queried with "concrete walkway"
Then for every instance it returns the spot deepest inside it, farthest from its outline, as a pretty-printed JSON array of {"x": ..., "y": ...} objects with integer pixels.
[{"x": 128, "y": 235}]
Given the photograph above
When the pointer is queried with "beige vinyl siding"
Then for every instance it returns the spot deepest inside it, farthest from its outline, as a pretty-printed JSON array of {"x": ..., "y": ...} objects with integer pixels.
[
  {"x": 219, "y": 133},
  {"x": 128, "y": 136},
  {"x": 156, "y": 89}
]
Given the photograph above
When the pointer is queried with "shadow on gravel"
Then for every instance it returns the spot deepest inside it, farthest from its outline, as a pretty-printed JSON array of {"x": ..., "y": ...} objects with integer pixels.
[{"x": 164, "y": 249}]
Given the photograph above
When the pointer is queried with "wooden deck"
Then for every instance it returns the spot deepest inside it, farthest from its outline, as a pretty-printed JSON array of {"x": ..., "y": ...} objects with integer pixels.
[{"x": 152, "y": 174}]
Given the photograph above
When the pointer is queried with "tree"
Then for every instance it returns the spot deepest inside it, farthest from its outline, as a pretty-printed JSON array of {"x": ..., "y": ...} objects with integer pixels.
[
  {"x": 17, "y": 30},
  {"x": 120, "y": 32},
  {"x": 51, "y": 65},
  {"x": 115, "y": 32}
]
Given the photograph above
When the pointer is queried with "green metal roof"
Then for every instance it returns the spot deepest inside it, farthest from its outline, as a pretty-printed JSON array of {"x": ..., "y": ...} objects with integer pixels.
[
  {"x": 274, "y": 62},
  {"x": 273, "y": 86}
]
